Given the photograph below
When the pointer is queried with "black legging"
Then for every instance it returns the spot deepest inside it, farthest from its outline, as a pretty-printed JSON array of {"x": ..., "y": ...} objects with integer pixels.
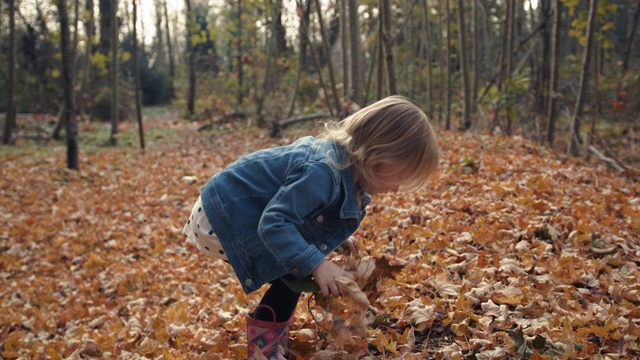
[{"x": 281, "y": 299}]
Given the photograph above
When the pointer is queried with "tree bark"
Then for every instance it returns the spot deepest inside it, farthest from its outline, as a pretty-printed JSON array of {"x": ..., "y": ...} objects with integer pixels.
[
  {"x": 466, "y": 86},
  {"x": 89, "y": 28},
  {"x": 511, "y": 11},
  {"x": 552, "y": 102},
  {"x": 449, "y": 67},
  {"x": 10, "y": 118},
  {"x": 113, "y": 69},
  {"x": 67, "y": 79},
  {"x": 303, "y": 39},
  {"x": 272, "y": 51},
  {"x": 428, "y": 54},
  {"x": 631, "y": 38},
  {"x": 191, "y": 90},
  {"x": 240, "y": 60},
  {"x": 172, "y": 66},
  {"x": 327, "y": 51},
  {"x": 356, "y": 54},
  {"x": 575, "y": 143},
  {"x": 136, "y": 74},
  {"x": 387, "y": 40},
  {"x": 344, "y": 36}
]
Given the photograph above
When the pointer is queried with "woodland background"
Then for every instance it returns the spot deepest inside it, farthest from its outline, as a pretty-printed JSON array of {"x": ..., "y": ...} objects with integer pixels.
[{"x": 525, "y": 245}]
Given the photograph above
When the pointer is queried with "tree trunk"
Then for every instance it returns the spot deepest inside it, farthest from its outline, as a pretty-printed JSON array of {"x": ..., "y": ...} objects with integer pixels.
[
  {"x": 381, "y": 66},
  {"x": 428, "y": 56},
  {"x": 327, "y": 51},
  {"x": 475, "y": 81},
  {"x": 240, "y": 95},
  {"x": 449, "y": 67},
  {"x": 114, "y": 74},
  {"x": 552, "y": 102},
  {"x": 344, "y": 36},
  {"x": 356, "y": 54},
  {"x": 302, "y": 38},
  {"x": 172, "y": 66},
  {"x": 191, "y": 90},
  {"x": 89, "y": 28},
  {"x": 158, "y": 45},
  {"x": 466, "y": 86},
  {"x": 387, "y": 40},
  {"x": 631, "y": 38},
  {"x": 10, "y": 118},
  {"x": 541, "y": 97},
  {"x": 104, "y": 45},
  {"x": 575, "y": 143},
  {"x": 272, "y": 52},
  {"x": 511, "y": 11},
  {"x": 136, "y": 74},
  {"x": 71, "y": 129}
]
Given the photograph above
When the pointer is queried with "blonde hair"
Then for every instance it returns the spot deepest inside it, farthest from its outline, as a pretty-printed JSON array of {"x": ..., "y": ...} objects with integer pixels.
[{"x": 389, "y": 131}]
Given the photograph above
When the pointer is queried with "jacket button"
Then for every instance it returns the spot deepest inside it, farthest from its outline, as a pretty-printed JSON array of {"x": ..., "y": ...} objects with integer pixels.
[
  {"x": 320, "y": 218},
  {"x": 295, "y": 271},
  {"x": 352, "y": 223},
  {"x": 323, "y": 247},
  {"x": 248, "y": 282}
]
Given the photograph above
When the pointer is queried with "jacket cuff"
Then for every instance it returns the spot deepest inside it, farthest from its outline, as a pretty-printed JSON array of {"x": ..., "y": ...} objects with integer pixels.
[{"x": 304, "y": 264}]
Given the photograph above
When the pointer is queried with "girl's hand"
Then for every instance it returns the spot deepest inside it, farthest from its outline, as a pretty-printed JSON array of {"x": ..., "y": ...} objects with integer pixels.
[
  {"x": 325, "y": 276},
  {"x": 349, "y": 247}
]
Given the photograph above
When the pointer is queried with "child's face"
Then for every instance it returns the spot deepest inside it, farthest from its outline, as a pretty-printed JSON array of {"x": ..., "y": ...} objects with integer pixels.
[{"x": 389, "y": 177}]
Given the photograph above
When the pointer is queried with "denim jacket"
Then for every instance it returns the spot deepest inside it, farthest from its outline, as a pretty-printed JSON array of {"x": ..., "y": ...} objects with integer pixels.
[{"x": 281, "y": 210}]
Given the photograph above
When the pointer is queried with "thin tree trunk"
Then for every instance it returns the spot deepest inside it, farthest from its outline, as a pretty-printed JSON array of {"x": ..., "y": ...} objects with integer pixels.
[
  {"x": 172, "y": 66},
  {"x": 160, "y": 53},
  {"x": 475, "y": 82},
  {"x": 344, "y": 36},
  {"x": 303, "y": 39},
  {"x": 136, "y": 74},
  {"x": 191, "y": 90},
  {"x": 327, "y": 51},
  {"x": 356, "y": 59},
  {"x": 545, "y": 48},
  {"x": 575, "y": 143},
  {"x": 67, "y": 79},
  {"x": 511, "y": 4},
  {"x": 631, "y": 38},
  {"x": 381, "y": 65},
  {"x": 271, "y": 52},
  {"x": 449, "y": 67},
  {"x": 387, "y": 40},
  {"x": 240, "y": 95},
  {"x": 316, "y": 63},
  {"x": 114, "y": 74},
  {"x": 596, "y": 93},
  {"x": 374, "y": 56},
  {"x": 552, "y": 102},
  {"x": 10, "y": 118},
  {"x": 426, "y": 43},
  {"x": 466, "y": 86},
  {"x": 89, "y": 28}
]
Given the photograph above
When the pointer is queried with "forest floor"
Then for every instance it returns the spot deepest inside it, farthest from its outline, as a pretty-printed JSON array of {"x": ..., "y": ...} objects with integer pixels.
[{"x": 513, "y": 251}]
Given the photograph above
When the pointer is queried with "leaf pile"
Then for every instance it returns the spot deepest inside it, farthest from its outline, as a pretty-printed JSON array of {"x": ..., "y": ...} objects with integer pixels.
[{"x": 510, "y": 252}]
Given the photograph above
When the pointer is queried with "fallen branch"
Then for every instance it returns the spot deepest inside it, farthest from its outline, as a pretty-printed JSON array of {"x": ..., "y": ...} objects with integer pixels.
[
  {"x": 278, "y": 126},
  {"x": 606, "y": 159}
]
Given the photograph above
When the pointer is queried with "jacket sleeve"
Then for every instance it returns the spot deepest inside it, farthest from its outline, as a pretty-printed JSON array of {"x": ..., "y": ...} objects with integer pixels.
[{"x": 307, "y": 188}]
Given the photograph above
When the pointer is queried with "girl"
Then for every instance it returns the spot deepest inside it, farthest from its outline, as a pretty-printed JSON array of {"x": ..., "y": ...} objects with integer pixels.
[{"x": 275, "y": 214}]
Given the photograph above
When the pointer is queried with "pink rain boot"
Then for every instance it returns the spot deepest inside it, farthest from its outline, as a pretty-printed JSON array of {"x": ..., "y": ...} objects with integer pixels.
[{"x": 267, "y": 337}]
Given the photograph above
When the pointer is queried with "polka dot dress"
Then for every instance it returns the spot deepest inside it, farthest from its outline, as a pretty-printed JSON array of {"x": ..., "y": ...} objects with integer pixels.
[{"x": 200, "y": 232}]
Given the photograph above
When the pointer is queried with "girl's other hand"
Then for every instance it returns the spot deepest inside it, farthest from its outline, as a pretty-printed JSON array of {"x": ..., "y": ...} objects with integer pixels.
[{"x": 325, "y": 276}]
